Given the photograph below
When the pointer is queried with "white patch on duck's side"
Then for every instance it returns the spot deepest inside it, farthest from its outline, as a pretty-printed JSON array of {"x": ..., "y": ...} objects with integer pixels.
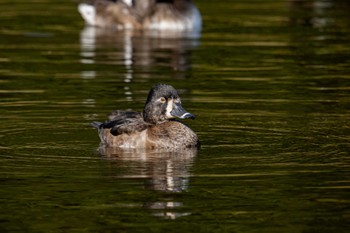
[
  {"x": 170, "y": 25},
  {"x": 169, "y": 108},
  {"x": 127, "y": 145},
  {"x": 88, "y": 13},
  {"x": 190, "y": 20},
  {"x": 128, "y": 2}
]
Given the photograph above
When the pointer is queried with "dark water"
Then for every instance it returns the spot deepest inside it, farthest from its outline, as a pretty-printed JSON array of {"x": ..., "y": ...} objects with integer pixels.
[{"x": 269, "y": 82}]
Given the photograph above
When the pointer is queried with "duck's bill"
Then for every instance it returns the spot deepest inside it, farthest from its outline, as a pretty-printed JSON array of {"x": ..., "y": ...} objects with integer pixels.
[{"x": 180, "y": 112}]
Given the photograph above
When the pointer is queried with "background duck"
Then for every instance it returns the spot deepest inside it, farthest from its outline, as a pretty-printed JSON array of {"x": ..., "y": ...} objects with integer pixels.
[{"x": 179, "y": 15}]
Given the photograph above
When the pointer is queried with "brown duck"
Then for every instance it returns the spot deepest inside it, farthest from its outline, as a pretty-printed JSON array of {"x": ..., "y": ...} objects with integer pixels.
[{"x": 154, "y": 128}]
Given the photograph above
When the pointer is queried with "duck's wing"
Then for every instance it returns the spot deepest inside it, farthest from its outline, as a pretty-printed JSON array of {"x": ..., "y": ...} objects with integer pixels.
[
  {"x": 125, "y": 122},
  {"x": 120, "y": 114}
]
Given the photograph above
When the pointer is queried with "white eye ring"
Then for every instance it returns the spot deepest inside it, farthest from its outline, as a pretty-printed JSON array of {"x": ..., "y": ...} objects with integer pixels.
[{"x": 162, "y": 100}]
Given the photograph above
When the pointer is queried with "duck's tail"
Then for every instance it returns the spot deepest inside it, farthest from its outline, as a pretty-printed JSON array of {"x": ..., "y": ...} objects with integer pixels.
[
  {"x": 99, "y": 127},
  {"x": 96, "y": 125}
]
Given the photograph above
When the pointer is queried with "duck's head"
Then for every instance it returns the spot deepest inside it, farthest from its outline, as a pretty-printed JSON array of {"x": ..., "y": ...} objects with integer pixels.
[{"x": 163, "y": 103}]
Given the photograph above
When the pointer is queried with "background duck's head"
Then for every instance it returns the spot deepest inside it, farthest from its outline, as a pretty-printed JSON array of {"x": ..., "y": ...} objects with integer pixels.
[{"x": 163, "y": 103}]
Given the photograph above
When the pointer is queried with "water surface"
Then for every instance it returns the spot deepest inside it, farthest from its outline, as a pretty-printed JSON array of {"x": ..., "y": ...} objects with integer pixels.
[{"x": 268, "y": 82}]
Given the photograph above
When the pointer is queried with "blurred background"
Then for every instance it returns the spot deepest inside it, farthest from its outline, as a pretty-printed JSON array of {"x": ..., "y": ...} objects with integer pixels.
[{"x": 267, "y": 80}]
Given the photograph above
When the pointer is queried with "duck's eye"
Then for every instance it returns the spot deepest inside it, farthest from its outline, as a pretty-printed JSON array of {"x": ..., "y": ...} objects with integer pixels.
[{"x": 162, "y": 100}]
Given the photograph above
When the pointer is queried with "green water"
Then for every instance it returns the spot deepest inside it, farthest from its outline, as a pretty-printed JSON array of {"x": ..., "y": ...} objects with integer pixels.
[{"x": 269, "y": 82}]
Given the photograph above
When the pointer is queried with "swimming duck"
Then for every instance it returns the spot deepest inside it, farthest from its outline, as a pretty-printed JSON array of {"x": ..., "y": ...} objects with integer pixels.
[
  {"x": 179, "y": 15},
  {"x": 154, "y": 128}
]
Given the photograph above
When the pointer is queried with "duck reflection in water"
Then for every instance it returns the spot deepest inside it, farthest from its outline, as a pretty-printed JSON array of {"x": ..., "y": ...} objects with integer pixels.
[
  {"x": 165, "y": 171},
  {"x": 168, "y": 169},
  {"x": 310, "y": 13},
  {"x": 164, "y": 43}
]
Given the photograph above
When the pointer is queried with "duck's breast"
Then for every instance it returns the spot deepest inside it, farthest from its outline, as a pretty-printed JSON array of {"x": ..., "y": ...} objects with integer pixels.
[{"x": 171, "y": 134}]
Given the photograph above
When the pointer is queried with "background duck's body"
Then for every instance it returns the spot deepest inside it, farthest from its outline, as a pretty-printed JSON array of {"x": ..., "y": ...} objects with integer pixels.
[{"x": 179, "y": 15}]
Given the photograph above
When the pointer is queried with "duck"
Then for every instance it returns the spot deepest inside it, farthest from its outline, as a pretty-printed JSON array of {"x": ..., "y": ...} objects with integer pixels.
[
  {"x": 173, "y": 15},
  {"x": 155, "y": 127}
]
